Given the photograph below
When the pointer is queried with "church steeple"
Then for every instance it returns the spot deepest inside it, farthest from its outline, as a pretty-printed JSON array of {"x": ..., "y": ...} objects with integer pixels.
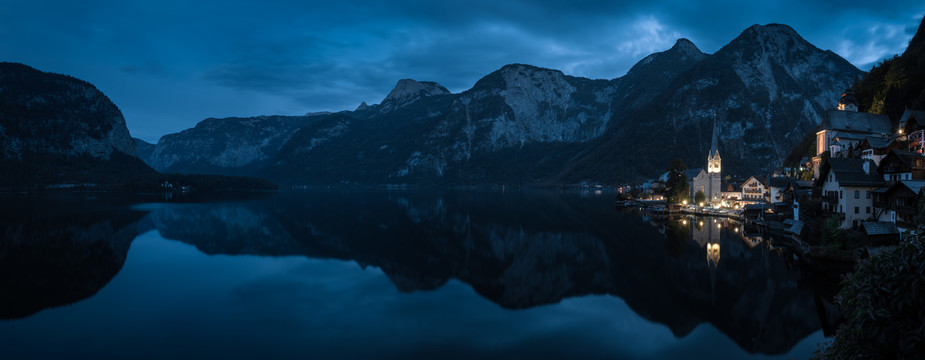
[{"x": 713, "y": 159}]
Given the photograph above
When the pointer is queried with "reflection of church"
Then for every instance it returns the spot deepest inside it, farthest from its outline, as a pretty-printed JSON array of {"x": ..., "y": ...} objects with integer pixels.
[{"x": 706, "y": 233}]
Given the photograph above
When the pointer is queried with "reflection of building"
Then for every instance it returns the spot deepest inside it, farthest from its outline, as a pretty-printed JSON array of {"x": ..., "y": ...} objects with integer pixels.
[
  {"x": 706, "y": 233},
  {"x": 713, "y": 254}
]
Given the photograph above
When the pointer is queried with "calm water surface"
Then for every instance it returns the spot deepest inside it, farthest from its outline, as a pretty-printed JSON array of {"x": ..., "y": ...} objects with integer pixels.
[{"x": 391, "y": 274}]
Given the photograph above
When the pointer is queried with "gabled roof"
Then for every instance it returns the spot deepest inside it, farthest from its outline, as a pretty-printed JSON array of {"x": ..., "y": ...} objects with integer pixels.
[
  {"x": 916, "y": 116},
  {"x": 761, "y": 179},
  {"x": 849, "y": 172},
  {"x": 876, "y": 142},
  {"x": 780, "y": 182},
  {"x": 915, "y": 186},
  {"x": 879, "y": 228},
  {"x": 856, "y": 122},
  {"x": 905, "y": 157}
]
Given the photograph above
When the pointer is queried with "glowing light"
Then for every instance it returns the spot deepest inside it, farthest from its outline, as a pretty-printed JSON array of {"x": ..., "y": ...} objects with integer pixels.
[
  {"x": 684, "y": 222},
  {"x": 684, "y": 202},
  {"x": 701, "y": 204},
  {"x": 719, "y": 226},
  {"x": 701, "y": 223}
]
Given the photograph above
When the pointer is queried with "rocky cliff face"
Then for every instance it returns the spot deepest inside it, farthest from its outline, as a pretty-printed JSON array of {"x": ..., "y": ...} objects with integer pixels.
[
  {"x": 523, "y": 124},
  {"x": 231, "y": 146},
  {"x": 52, "y": 114},
  {"x": 55, "y": 128}
]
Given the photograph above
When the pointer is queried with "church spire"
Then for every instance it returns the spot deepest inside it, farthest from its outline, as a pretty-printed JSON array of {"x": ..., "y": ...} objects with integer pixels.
[
  {"x": 714, "y": 150},
  {"x": 714, "y": 162}
]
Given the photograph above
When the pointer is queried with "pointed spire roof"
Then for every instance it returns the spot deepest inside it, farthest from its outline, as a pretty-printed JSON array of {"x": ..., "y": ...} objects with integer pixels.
[{"x": 714, "y": 149}]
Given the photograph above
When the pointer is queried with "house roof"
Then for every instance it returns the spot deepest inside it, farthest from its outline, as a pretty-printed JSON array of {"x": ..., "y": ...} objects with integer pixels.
[
  {"x": 849, "y": 172},
  {"x": 736, "y": 187},
  {"x": 916, "y": 116},
  {"x": 761, "y": 179},
  {"x": 876, "y": 142},
  {"x": 856, "y": 122},
  {"x": 879, "y": 228},
  {"x": 915, "y": 186},
  {"x": 691, "y": 173},
  {"x": 904, "y": 156},
  {"x": 780, "y": 182}
]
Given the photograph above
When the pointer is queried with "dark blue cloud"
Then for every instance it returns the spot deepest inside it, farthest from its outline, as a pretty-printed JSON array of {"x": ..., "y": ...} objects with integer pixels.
[{"x": 170, "y": 64}]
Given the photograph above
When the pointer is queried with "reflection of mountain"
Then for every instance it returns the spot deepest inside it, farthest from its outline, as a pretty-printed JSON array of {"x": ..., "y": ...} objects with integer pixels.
[
  {"x": 57, "y": 252},
  {"x": 522, "y": 250}
]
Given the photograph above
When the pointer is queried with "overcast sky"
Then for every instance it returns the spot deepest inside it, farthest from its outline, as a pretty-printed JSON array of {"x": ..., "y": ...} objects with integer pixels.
[{"x": 170, "y": 64}]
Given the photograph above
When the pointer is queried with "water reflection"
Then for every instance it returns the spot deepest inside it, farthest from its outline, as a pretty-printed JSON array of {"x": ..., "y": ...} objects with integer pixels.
[
  {"x": 517, "y": 249},
  {"x": 59, "y": 251}
]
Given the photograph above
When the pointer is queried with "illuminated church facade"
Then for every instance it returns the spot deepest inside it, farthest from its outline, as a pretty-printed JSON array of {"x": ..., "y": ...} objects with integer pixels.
[{"x": 708, "y": 180}]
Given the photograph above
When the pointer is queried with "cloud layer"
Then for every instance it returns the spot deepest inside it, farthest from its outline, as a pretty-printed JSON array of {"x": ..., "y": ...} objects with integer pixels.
[{"x": 170, "y": 64}]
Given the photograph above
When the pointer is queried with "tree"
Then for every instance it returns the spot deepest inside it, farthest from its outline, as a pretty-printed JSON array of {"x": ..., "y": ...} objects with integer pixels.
[
  {"x": 700, "y": 197},
  {"x": 884, "y": 303},
  {"x": 677, "y": 185}
]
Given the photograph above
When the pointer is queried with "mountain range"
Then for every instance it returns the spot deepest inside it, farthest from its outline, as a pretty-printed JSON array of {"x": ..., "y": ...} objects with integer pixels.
[{"x": 523, "y": 124}]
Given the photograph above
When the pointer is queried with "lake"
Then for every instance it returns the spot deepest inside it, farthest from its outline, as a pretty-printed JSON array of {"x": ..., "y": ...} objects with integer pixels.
[{"x": 390, "y": 274}]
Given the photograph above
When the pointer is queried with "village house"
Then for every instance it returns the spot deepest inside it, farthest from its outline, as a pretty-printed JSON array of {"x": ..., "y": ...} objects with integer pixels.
[
  {"x": 876, "y": 148},
  {"x": 912, "y": 129},
  {"x": 845, "y": 128},
  {"x": 776, "y": 187},
  {"x": 847, "y": 187},
  {"x": 732, "y": 191},
  {"x": 798, "y": 192},
  {"x": 897, "y": 203},
  {"x": 902, "y": 165},
  {"x": 754, "y": 189}
]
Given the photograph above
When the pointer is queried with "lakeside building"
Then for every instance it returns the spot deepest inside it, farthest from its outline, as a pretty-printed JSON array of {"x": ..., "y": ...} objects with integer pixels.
[
  {"x": 847, "y": 187},
  {"x": 844, "y": 129},
  {"x": 708, "y": 180}
]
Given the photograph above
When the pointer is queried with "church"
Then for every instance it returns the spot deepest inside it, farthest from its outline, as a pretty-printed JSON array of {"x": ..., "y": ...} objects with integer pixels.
[{"x": 710, "y": 180}]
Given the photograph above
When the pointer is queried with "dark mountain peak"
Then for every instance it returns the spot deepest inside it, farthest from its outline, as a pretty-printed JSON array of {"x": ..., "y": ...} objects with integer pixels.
[
  {"x": 685, "y": 45},
  {"x": 670, "y": 62},
  {"x": 516, "y": 75},
  {"x": 407, "y": 91},
  {"x": 773, "y": 34},
  {"x": 917, "y": 44},
  {"x": 363, "y": 106}
]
